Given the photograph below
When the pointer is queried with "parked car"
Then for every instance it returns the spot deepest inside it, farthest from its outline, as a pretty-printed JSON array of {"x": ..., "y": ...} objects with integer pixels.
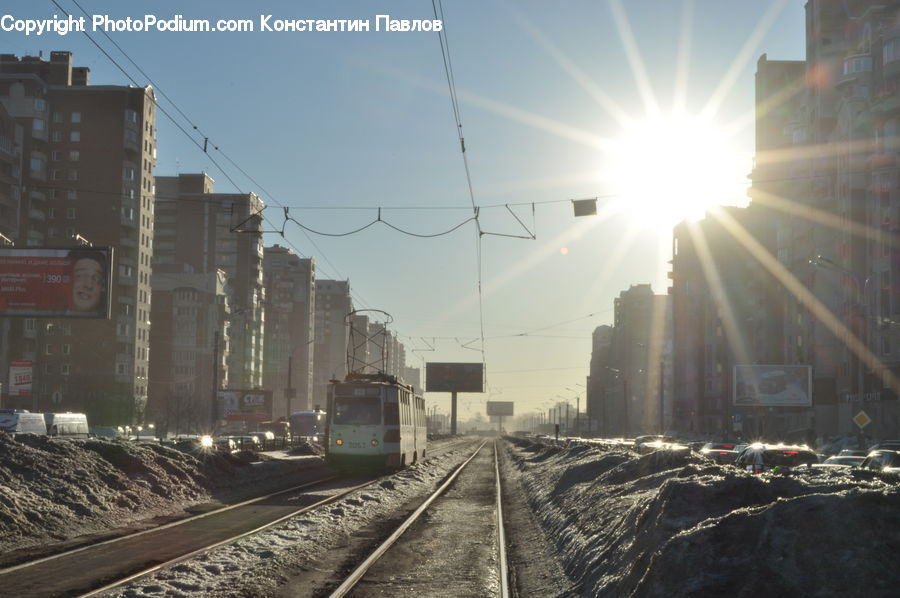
[
  {"x": 225, "y": 444},
  {"x": 720, "y": 452},
  {"x": 759, "y": 458},
  {"x": 891, "y": 445},
  {"x": 651, "y": 442},
  {"x": 882, "y": 460}
]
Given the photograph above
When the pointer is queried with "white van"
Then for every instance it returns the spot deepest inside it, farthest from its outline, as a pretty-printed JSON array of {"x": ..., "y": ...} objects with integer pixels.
[
  {"x": 69, "y": 425},
  {"x": 22, "y": 421}
]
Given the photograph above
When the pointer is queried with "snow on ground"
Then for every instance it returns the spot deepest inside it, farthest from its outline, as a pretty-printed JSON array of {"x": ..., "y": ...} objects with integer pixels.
[
  {"x": 669, "y": 525},
  {"x": 624, "y": 525},
  {"x": 54, "y": 490}
]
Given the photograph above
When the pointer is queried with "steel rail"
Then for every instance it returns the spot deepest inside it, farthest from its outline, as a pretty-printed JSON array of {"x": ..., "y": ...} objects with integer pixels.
[
  {"x": 193, "y": 553},
  {"x": 356, "y": 576},
  {"x": 501, "y": 534},
  {"x": 171, "y": 524}
]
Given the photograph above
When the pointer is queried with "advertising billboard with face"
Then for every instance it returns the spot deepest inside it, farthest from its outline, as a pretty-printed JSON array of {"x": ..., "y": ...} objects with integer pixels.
[
  {"x": 40, "y": 282},
  {"x": 245, "y": 405},
  {"x": 772, "y": 385},
  {"x": 454, "y": 377}
]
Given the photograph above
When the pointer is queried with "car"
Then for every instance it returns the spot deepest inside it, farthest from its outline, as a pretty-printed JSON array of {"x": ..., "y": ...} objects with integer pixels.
[
  {"x": 720, "y": 452},
  {"x": 853, "y": 453},
  {"x": 651, "y": 442},
  {"x": 760, "y": 458},
  {"x": 891, "y": 445},
  {"x": 882, "y": 460},
  {"x": 225, "y": 444}
]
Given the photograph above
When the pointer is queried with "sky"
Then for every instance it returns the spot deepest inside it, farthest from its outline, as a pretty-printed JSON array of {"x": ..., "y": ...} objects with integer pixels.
[{"x": 646, "y": 105}]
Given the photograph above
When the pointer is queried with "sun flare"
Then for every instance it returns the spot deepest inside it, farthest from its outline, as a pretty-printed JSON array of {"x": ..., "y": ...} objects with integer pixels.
[{"x": 670, "y": 168}]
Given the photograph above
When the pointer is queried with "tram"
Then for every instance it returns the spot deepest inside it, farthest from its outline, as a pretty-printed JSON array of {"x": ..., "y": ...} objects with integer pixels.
[{"x": 375, "y": 422}]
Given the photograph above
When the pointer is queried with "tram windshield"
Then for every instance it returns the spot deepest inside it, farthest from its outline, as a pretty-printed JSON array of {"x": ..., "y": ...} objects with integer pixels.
[{"x": 359, "y": 411}]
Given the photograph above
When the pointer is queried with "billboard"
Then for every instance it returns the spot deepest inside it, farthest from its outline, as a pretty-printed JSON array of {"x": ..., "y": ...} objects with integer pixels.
[
  {"x": 454, "y": 377},
  {"x": 499, "y": 407},
  {"x": 245, "y": 405},
  {"x": 772, "y": 386},
  {"x": 40, "y": 282},
  {"x": 20, "y": 378}
]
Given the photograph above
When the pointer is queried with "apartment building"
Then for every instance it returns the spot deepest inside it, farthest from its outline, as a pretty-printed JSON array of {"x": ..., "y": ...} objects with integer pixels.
[
  {"x": 290, "y": 283},
  {"x": 87, "y": 159},
  {"x": 333, "y": 304},
  {"x": 206, "y": 232}
]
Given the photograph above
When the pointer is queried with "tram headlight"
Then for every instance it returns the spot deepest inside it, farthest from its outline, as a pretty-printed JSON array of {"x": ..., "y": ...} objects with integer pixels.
[
  {"x": 374, "y": 442},
  {"x": 339, "y": 441}
]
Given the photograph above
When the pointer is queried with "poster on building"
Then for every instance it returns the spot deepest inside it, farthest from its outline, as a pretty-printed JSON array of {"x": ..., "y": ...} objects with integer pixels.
[
  {"x": 245, "y": 405},
  {"x": 40, "y": 282},
  {"x": 772, "y": 385},
  {"x": 454, "y": 377},
  {"x": 20, "y": 378},
  {"x": 500, "y": 408}
]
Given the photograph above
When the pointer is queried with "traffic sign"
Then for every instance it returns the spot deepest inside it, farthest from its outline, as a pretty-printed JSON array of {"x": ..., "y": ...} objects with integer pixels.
[{"x": 862, "y": 419}]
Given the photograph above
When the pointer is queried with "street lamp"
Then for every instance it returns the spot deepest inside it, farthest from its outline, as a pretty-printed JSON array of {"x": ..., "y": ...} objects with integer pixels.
[{"x": 862, "y": 304}]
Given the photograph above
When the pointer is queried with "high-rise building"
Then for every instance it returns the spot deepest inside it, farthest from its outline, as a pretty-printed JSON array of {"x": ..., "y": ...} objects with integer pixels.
[
  {"x": 290, "y": 329},
  {"x": 219, "y": 231},
  {"x": 189, "y": 344},
  {"x": 88, "y": 154},
  {"x": 333, "y": 304},
  {"x": 827, "y": 146}
]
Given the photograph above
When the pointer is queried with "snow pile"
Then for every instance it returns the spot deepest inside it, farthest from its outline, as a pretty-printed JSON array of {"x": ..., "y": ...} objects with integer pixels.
[
  {"x": 53, "y": 490},
  {"x": 675, "y": 524}
]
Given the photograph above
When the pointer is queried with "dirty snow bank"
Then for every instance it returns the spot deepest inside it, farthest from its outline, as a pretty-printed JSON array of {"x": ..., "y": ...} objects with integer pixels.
[
  {"x": 53, "y": 490},
  {"x": 678, "y": 525}
]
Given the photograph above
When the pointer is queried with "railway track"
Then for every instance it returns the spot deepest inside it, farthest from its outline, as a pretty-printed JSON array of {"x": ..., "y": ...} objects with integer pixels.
[
  {"x": 88, "y": 570},
  {"x": 452, "y": 545}
]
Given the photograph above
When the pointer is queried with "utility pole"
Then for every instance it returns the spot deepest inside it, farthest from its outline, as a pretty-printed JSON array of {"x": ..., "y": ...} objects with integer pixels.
[{"x": 215, "y": 383}]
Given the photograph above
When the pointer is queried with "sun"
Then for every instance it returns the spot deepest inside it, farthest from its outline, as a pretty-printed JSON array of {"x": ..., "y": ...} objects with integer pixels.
[{"x": 669, "y": 168}]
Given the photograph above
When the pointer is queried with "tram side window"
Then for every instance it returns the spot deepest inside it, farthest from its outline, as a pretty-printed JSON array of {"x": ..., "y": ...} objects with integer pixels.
[
  {"x": 391, "y": 414},
  {"x": 359, "y": 411}
]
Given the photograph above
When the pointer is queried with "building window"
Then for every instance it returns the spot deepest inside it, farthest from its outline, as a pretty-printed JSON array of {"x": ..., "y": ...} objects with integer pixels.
[
  {"x": 65, "y": 369},
  {"x": 39, "y": 104},
  {"x": 51, "y": 213},
  {"x": 861, "y": 63},
  {"x": 891, "y": 50},
  {"x": 73, "y": 174},
  {"x": 57, "y": 117},
  {"x": 48, "y": 350},
  {"x": 72, "y": 194},
  {"x": 70, "y": 213},
  {"x": 121, "y": 369},
  {"x": 75, "y": 136},
  {"x": 38, "y": 164},
  {"x": 74, "y": 155},
  {"x": 131, "y": 116},
  {"x": 56, "y": 155},
  {"x": 48, "y": 368},
  {"x": 128, "y": 173},
  {"x": 39, "y": 125},
  {"x": 76, "y": 117},
  {"x": 30, "y": 324},
  {"x": 54, "y": 175}
]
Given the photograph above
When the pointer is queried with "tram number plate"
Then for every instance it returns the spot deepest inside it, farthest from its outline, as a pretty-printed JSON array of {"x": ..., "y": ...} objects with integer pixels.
[{"x": 357, "y": 445}]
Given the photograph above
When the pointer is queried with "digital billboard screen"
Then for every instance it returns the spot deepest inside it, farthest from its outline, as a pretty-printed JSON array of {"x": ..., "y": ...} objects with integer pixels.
[
  {"x": 454, "y": 377},
  {"x": 772, "y": 386},
  {"x": 246, "y": 405},
  {"x": 40, "y": 282}
]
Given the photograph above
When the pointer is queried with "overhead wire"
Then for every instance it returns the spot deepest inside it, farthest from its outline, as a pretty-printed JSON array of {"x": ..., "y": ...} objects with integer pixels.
[{"x": 454, "y": 101}]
